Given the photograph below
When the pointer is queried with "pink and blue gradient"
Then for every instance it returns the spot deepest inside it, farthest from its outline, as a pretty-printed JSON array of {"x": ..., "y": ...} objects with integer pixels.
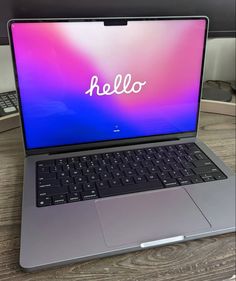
[{"x": 55, "y": 62}]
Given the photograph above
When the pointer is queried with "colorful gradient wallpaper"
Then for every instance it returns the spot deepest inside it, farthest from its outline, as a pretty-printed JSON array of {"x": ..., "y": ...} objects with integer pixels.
[{"x": 84, "y": 82}]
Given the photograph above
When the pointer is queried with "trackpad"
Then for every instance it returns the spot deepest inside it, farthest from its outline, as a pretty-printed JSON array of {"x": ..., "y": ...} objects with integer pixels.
[{"x": 148, "y": 216}]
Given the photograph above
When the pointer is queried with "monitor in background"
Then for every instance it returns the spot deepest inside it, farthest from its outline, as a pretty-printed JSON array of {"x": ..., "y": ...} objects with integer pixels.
[{"x": 220, "y": 12}]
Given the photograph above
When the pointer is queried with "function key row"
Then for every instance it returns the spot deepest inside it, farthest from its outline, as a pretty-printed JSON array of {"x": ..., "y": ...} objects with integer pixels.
[{"x": 162, "y": 152}]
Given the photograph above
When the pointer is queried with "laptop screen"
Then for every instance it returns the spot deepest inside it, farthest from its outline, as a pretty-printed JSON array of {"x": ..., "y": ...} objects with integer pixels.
[{"x": 84, "y": 82}]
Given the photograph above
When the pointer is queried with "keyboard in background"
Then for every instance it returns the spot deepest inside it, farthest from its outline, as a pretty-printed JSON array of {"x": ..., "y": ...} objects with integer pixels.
[
  {"x": 89, "y": 177},
  {"x": 9, "y": 114},
  {"x": 8, "y": 103}
]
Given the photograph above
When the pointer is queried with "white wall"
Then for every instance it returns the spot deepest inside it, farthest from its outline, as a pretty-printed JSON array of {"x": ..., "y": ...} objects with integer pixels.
[
  {"x": 220, "y": 63},
  {"x": 6, "y": 70},
  {"x": 220, "y": 59}
]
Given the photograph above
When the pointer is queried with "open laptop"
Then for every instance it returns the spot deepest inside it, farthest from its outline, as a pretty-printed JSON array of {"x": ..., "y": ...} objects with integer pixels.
[{"x": 109, "y": 111}]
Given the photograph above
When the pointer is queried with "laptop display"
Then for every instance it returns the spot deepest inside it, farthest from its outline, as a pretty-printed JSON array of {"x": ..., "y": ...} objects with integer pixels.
[{"x": 83, "y": 82}]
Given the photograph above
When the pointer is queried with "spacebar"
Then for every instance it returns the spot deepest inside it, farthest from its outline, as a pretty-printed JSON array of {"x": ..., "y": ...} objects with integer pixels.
[{"x": 112, "y": 191}]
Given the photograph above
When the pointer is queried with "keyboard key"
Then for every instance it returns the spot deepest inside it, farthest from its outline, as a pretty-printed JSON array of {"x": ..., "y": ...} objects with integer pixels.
[
  {"x": 44, "y": 201},
  {"x": 105, "y": 176},
  {"x": 152, "y": 177},
  {"x": 157, "y": 162},
  {"x": 163, "y": 175},
  {"x": 62, "y": 175},
  {"x": 170, "y": 182},
  {"x": 117, "y": 174},
  {"x": 92, "y": 163},
  {"x": 136, "y": 158},
  {"x": 202, "y": 163},
  {"x": 48, "y": 183},
  {"x": 79, "y": 165},
  {"x": 89, "y": 194},
  {"x": 196, "y": 179},
  {"x": 171, "y": 147},
  {"x": 104, "y": 162},
  {"x": 161, "y": 149},
  {"x": 55, "y": 168},
  {"x": 169, "y": 160},
  {"x": 72, "y": 160},
  {"x": 165, "y": 168},
  {"x": 61, "y": 161},
  {"x": 73, "y": 197},
  {"x": 115, "y": 161},
  {"x": 200, "y": 156},
  {"x": 88, "y": 171},
  {"x": 99, "y": 170},
  {"x": 52, "y": 191},
  {"x": 75, "y": 187},
  {"x": 102, "y": 184},
  {"x": 149, "y": 157},
  {"x": 118, "y": 154},
  {"x": 175, "y": 174},
  {"x": 84, "y": 158},
  {"x": 107, "y": 155},
  {"x": 141, "y": 171},
  {"x": 153, "y": 170},
  {"x": 187, "y": 172},
  {"x": 190, "y": 145},
  {"x": 88, "y": 186},
  {"x": 187, "y": 165},
  {"x": 184, "y": 181},
  {"x": 219, "y": 176},
  {"x": 115, "y": 183},
  {"x": 140, "y": 152},
  {"x": 206, "y": 169},
  {"x": 46, "y": 163},
  {"x": 127, "y": 152},
  {"x": 180, "y": 146},
  {"x": 147, "y": 163},
  {"x": 129, "y": 173},
  {"x": 136, "y": 165},
  {"x": 44, "y": 176},
  {"x": 127, "y": 180},
  {"x": 92, "y": 177},
  {"x": 124, "y": 166},
  {"x": 75, "y": 173},
  {"x": 159, "y": 156},
  {"x": 67, "y": 181},
  {"x": 195, "y": 150},
  {"x": 140, "y": 179},
  {"x": 68, "y": 167},
  {"x": 190, "y": 158},
  {"x": 59, "y": 199},
  {"x": 209, "y": 178},
  {"x": 80, "y": 179},
  {"x": 111, "y": 168},
  {"x": 43, "y": 169}
]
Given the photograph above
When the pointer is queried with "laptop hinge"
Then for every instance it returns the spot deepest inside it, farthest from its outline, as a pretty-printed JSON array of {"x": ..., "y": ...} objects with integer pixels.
[{"x": 109, "y": 146}]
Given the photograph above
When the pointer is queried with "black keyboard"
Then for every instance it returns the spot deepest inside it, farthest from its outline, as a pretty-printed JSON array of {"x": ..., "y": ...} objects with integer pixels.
[
  {"x": 8, "y": 103},
  {"x": 94, "y": 176}
]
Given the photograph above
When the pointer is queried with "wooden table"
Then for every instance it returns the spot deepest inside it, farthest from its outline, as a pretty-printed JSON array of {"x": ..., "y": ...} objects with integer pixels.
[{"x": 204, "y": 259}]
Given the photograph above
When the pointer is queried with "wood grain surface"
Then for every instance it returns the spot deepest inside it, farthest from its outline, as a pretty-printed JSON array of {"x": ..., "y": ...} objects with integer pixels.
[{"x": 203, "y": 259}]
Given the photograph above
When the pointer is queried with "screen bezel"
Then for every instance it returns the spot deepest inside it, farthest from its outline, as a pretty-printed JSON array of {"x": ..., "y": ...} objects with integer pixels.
[{"x": 106, "y": 143}]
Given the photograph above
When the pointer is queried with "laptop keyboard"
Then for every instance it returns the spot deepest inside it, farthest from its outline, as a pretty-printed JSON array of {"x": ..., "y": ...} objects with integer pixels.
[{"x": 88, "y": 177}]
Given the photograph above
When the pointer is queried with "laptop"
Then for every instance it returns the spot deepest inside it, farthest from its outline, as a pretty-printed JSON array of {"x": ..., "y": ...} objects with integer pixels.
[{"x": 109, "y": 110}]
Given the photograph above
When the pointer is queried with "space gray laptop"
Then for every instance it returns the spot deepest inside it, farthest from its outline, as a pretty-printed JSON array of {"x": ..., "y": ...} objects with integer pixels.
[{"x": 109, "y": 111}]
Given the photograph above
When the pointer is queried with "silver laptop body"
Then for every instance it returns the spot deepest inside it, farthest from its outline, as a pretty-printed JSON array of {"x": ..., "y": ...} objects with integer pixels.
[{"x": 71, "y": 232}]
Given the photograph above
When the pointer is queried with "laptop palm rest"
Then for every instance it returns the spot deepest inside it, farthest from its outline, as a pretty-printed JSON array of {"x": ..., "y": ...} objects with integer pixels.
[{"x": 149, "y": 216}]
